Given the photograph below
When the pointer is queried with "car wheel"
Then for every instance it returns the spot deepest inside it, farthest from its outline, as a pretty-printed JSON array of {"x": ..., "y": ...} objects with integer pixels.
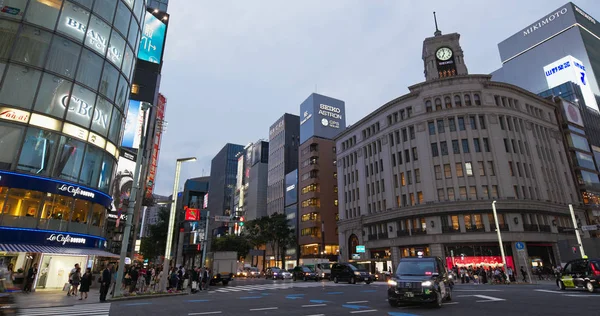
[
  {"x": 438, "y": 300},
  {"x": 335, "y": 280},
  {"x": 352, "y": 280},
  {"x": 393, "y": 303},
  {"x": 449, "y": 295},
  {"x": 561, "y": 285},
  {"x": 304, "y": 279},
  {"x": 590, "y": 287},
  {"x": 368, "y": 282}
]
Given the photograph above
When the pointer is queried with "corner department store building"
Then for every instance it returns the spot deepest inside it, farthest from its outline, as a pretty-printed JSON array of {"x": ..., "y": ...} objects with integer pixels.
[{"x": 65, "y": 74}]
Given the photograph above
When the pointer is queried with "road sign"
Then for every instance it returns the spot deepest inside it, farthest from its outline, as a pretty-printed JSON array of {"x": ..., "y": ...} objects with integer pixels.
[
  {"x": 586, "y": 228},
  {"x": 520, "y": 246},
  {"x": 360, "y": 249},
  {"x": 220, "y": 218}
]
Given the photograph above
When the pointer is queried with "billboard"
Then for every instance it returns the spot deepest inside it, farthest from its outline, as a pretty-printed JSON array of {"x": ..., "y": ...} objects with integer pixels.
[
  {"x": 572, "y": 113},
  {"x": 571, "y": 69},
  {"x": 191, "y": 214},
  {"x": 153, "y": 39},
  {"x": 134, "y": 125},
  {"x": 240, "y": 172},
  {"x": 291, "y": 187},
  {"x": 153, "y": 164},
  {"x": 122, "y": 184},
  {"x": 321, "y": 116}
]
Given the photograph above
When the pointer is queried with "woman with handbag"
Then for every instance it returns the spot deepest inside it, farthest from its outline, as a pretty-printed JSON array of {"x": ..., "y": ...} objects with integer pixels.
[{"x": 86, "y": 282}]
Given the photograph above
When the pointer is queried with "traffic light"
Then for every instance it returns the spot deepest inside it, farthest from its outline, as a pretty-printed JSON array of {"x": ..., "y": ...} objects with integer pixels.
[
  {"x": 241, "y": 221},
  {"x": 574, "y": 249}
]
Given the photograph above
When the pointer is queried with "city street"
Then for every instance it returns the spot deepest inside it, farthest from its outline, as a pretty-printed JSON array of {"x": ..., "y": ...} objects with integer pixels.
[{"x": 268, "y": 297}]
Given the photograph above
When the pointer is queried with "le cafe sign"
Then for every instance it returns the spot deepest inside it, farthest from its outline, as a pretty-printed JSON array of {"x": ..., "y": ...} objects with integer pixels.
[
  {"x": 65, "y": 239},
  {"x": 75, "y": 191}
]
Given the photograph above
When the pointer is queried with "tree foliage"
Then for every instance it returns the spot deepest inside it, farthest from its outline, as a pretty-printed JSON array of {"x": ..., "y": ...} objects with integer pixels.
[
  {"x": 232, "y": 243},
  {"x": 155, "y": 243},
  {"x": 273, "y": 231}
]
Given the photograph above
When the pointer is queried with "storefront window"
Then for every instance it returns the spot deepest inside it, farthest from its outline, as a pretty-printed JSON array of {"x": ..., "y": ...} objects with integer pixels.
[
  {"x": 108, "y": 83},
  {"x": 98, "y": 212},
  {"x": 90, "y": 170},
  {"x": 21, "y": 209},
  {"x": 73, "y": 21},
  {"x": 102, "y": 115},
  {"x": 63, "y": 56},
  {"x": 10, "y": 139},
  {"x": 69, "y": 161},
  {"x": 18, "y": 90},
  {"x": 90, "y": 68},
  {"x": 56, "y": 212},
  {"x": 98, "y": 35},
  {"x": 32, "y": 46},
  {"x": 106, "y": 9},
  {"x": 122, "y": 18},
  {"x": 106, "y": 172},
  {"x": 8, "y": 33},
  {"x": 79, "y": 216},
  {"x": 115, "y": 126},
  {"x": 16, "y": 4},
  {"x": 81, "y": 106},
  {"x": 43, "y": 12},
  {"x": 53, "y": 95},
  {"x": 39, "y": 151},
  {"x": 3, "y": 193}
]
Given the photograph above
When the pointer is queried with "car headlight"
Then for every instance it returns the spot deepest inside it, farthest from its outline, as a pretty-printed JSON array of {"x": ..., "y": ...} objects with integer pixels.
[
  {"x": 426, "y": 283},
  {"x": 392, "y": 283},
  {"x": 450, "y": 276},
  {"x": 323, "y": 274}
]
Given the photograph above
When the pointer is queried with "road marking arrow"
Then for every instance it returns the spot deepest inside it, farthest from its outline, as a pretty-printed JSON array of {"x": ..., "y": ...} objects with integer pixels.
[
  {"x": 485, "y": 298},
  {"x": 294, "y": 296}
]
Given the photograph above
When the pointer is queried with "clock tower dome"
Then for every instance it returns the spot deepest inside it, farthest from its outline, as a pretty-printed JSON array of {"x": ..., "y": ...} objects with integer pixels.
[{"x": 443, "y": 56}]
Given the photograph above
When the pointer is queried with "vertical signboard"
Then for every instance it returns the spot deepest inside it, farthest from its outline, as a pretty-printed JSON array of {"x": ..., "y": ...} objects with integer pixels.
[
  {"x": 240, "y": 172},
  {"x": 322, "y": 116},
  {"x": 153, "y": 39},
  {"x": 160, "y": 116},
  {"x": 134, "y": 125}
]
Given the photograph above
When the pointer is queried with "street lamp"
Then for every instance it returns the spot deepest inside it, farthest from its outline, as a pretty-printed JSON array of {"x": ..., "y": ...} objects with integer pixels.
[
  {"x": 580, "y": 243},
  {"x": 132, "y": 200},
  {"x": 499, "y": 237},
  {"x": 166, "y": 264}
]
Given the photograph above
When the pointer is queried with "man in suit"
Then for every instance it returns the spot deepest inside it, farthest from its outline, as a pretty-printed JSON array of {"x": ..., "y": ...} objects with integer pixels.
[{"x": 105, "y": 281}]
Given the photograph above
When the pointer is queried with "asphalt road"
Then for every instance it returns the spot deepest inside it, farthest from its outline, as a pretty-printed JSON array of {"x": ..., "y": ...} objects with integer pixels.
[{"x": 268, "y": 297}]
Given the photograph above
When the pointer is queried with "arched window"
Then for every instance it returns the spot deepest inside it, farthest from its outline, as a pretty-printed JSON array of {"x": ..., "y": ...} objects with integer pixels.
[
  {"x": 428, "y": 107},
  {"x": 476, "y": 99},
  {"x": 438, "y": 104},
  {"x": 457, "y": 100},
  {"x": 448, "y": 102},
  {"x": 467, "y": 100}
]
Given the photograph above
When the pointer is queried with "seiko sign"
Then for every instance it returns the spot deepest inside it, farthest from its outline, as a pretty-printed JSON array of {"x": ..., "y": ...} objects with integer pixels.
[
  {"x": 65, "y": 239},
  {"x": 534, "y": 27},
  {"x": 290, "y": 188},
  {"x": 80, "y": 107},
  {"x": 76, "y": 191},
  {"x": 329, "y": 111}
]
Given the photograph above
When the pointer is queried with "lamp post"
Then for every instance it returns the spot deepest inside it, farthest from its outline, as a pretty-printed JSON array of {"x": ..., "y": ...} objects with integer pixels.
[
  {"x": 166, "y": 264},
  {"x": 499, "y": 236},
  {"x": 576, "y": 231},
  {"x": 131, "y": 205}
]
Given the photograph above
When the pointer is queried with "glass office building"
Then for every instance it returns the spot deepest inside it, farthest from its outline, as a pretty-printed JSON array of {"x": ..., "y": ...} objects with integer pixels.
[{"x": 65, "y": 76}]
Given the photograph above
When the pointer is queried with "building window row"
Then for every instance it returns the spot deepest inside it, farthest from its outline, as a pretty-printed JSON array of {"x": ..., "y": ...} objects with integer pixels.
[
  {"x": 350, "y": 160},
  {"x": 378, "y": 206},
  {"x": 375, "y": 187},
  {"x": 399, "y": 116},
  {"x": 507, "y": 102},
  {"x": 349, "y": 143},
  {"x": 310, "y": 175},
  {"x": 311, "y": 232},
  {"x": 352, "y": 195},
  {"x": 467, "y": 193},
  {"x": 521, "y": 170},
  {"x": 511, "y": 123},
  {"x": 351, "y": 177},
  {"x": 353, "y": 212},
  {"x": 410, "y": 199},
  {"x": 374, "y": 168},
  {"x": 450, "y": 102},
  {"x": 469, "y": 169},
  {"x": 407, "y": 132},
  {"x": 372, "y": 149},
  {"x": 371, "y": 130},
  {"x": 475, "y": 122},
  {"x": 312, "y": 202},
  {"x": 311, "y": 188},
  {"x": 397, "y": 158},
  {"x": 535, "y": 111},
  {"x": 310, "y": 161},
  {"x": 403, "y": 179},
  {"x": 310, "y": 217},
  {"x": 443, "y": 149}
]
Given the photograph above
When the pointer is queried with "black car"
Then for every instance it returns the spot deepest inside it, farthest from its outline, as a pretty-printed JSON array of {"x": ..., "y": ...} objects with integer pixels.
[
  {"x": 350, "y": 273},
  {"x": 580, "y": 274},
  {"x": 304, "y": 273},
  {"x": 420, "y": 280}
]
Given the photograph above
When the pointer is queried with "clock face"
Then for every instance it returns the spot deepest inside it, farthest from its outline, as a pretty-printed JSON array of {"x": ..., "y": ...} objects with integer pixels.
[{"x": 443, "y": 53}]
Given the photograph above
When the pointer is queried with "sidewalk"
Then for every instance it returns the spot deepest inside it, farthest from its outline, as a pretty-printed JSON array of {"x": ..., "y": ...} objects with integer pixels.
[
  {"x": 519, "y": 282},
  {"x": 54, "y": 299}
]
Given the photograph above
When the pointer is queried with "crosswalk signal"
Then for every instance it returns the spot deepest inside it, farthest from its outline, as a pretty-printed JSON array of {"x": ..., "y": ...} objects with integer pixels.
[
  {"x": 241, "y": 221},
  {"x": 574, "y": 249}
]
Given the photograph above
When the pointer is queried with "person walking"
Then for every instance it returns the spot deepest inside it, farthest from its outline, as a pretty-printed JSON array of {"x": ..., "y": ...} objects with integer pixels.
[
  {"x": 86, "y": 282},
  {"x": 75, "y": 281},
  {"x": 71, "y": 290},
  {"x": 105, "y": 281},
  {"x": 30, "y": 278},
  {"x": 524, "y": 274}
]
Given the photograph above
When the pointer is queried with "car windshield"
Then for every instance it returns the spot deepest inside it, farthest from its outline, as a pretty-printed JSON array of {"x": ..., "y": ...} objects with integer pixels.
[
  {"x": 416, "y": 268},
  {"x": 275, "y": 270},
  {"x": 307, "y": 269},
  {"x": 326, "y": 266}
]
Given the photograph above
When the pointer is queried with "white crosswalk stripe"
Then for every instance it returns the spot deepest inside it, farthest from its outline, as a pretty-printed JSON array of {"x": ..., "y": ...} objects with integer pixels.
[
  {"x": 274, "y": 286},
  {"x": 99, "y": 309}
]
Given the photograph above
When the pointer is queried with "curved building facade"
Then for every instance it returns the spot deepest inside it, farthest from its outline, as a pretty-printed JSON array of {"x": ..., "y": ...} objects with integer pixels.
[
  {"x": 421, "y": 172},
  {"x": 65, "y": 75}
]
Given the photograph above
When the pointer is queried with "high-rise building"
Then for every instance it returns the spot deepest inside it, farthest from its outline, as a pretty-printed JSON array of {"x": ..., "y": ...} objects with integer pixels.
[
  {"x": 558, "y": 56},
  {"x": 323, "y": 118},
  {"x": 190, "y": 222},
  {"x": 150, "y": 216},
  {"x": 223, "y": 174},
  {"x": 250, "y": 200},
  {"x": 419, "y": 174},
  {"x": 284, "y": 139},
  {"x": 66, "y": 69},
  {"x": 291, "y": 213}
]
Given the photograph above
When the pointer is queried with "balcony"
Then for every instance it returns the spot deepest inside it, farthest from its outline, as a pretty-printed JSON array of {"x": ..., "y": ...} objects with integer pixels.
[
  {"x": 419, "y": 231},
  {"x": 402, "y": 233},
  {"x": 382, "y": 235},
  {"x": 450, "y": 229},
  {"x": 530, "y": 227},
  {"x": 474, "y": 228},
  {"x": 545, "y": 228},
  {"x": 372, "y": 237}
]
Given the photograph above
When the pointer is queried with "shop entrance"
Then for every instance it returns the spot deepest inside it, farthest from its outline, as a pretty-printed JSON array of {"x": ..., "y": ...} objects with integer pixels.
[
  {"x": 541, "y": 255},
  {"x": 55, "y": 269}
]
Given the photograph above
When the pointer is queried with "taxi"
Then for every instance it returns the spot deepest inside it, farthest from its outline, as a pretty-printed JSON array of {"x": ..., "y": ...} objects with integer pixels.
[
  {"x": 580, "y": 274},
  {"x": 420, "y": 280}
]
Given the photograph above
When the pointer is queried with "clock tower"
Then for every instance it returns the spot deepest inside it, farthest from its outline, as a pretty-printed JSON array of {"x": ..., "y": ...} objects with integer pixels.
[{"x": 442, "y": 55}]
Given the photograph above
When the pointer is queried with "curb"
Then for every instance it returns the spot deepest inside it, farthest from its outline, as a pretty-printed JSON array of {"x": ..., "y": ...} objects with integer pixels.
[{"x": 139, "y": 297}]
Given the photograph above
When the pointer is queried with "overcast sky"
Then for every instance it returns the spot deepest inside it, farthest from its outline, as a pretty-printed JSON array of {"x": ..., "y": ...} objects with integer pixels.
[{"x": 231, "y": 68}]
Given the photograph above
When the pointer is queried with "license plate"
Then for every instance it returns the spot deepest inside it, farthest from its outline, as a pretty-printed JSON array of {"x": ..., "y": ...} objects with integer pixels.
[{"x": 409, "y": 294}]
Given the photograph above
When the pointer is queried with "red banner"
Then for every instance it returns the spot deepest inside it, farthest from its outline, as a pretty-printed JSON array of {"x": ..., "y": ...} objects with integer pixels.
[
  {"x": 478, "y": 261},
  {"x": 191, "y": 214},
  {"x": 160, "y": 116}
]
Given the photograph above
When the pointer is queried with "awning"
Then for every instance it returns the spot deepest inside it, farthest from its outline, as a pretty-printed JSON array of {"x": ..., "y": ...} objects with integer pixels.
[{"x": 57, "y": 250}]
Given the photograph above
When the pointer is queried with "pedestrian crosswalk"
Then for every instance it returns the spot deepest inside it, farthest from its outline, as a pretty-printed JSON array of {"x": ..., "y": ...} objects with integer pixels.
[
  {"x": 273, "y": 286},
  {"x": 99, "y": 309}
]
